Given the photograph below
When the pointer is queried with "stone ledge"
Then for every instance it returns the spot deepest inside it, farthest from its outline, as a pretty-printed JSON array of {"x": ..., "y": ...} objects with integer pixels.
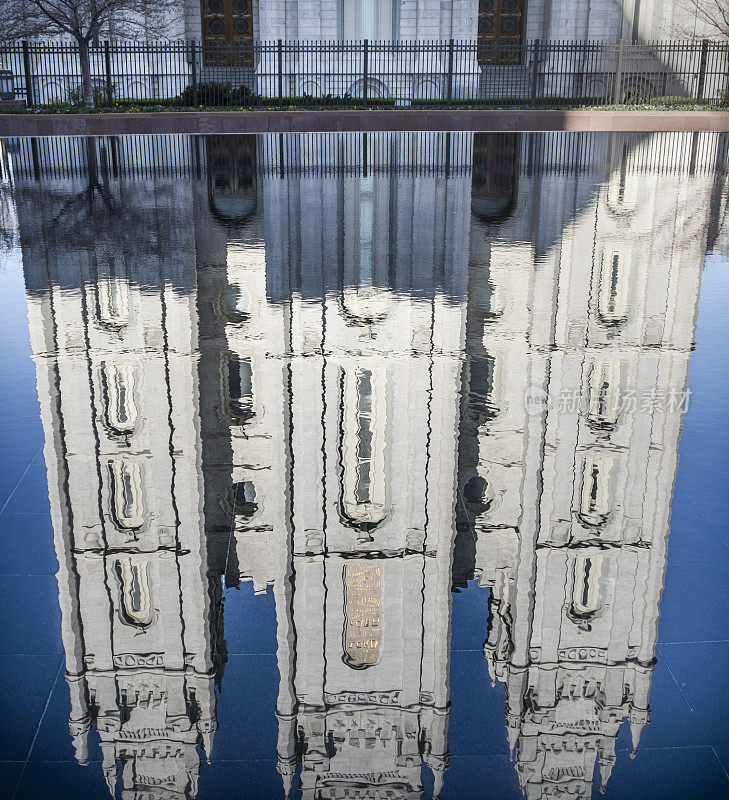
[{"x": 332, "y": 121}]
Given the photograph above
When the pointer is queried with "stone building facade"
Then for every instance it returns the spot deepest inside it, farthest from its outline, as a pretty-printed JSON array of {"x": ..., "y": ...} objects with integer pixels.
[
  {"x": 403, "y": 73},
  {"x": 114, "y": 341},
  {"x": 408, "y": 20},
  {"x": 343, "y": 383},
  {"x": 569, "y": 448}
]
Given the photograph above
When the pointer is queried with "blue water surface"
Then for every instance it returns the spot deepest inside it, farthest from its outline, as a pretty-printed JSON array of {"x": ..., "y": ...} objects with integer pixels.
[{"x": 364, "y": 466}]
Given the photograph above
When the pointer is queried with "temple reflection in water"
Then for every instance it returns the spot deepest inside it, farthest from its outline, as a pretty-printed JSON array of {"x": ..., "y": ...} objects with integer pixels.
[{"x": 358, "y": 371}]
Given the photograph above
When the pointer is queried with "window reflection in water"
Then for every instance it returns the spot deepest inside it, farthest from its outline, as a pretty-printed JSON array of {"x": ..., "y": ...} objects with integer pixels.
[
  {"x": 485, "y": 300},
  {"x": 113, "y": 300},
  {"x": 137, "y": 607},
  {"x": 622, "y": 189},
  {"x": 481, "y": 388},
  {"x": 127, "y": 503},
  {"x": 231, "y": 178},
  {"x": 242, "y": 499},
  {"x": 595, "y": 498},
  {"x": 604, "y": 397},
  {"x": 586, "y": 588},
  {"x": 118, "y": 386},
  {"x": 362, "y": 442},
  {"x": 367, "y": 252},
  {"x": 236, "y": 303},
  {"x": 478, "y": 494},
  {"x": 495, "y": 176},
  {"x": 240, "y": 388},
  {"x": 614, "y": 287}
]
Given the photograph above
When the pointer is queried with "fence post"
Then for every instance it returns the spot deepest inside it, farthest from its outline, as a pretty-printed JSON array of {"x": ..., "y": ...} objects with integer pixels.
[
  {"x": 28, "y": 76},
  {"x": 280, "y": 71},
  {"x": 618, "y": 74},
  {"x": 450, "y": 71},
  {"x": 535, "y": 70},
  {"x": 107, "y": 67},
  {"x": 365, "y": 69},
  {"x": 193, "y": 77},
  {"x": 702, "y": 70}
]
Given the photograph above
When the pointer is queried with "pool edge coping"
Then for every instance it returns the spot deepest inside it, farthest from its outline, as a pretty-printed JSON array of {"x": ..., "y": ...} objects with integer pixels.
[{"x": 217, "y": 122}]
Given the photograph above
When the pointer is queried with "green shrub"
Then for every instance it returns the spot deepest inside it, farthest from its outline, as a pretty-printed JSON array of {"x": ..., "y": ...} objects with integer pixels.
[
  {"x": 138, "y": 102},
  {"x": 216, "y": 93}
]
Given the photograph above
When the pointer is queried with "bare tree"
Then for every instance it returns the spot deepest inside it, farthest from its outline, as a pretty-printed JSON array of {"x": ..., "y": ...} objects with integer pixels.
[
  {"x": 85, "y": 20},
  {"x": 712, "y": 17}
]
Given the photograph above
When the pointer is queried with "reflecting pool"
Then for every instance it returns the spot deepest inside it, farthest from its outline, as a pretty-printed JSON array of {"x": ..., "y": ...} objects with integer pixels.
[{"x": 364, "y": 466}]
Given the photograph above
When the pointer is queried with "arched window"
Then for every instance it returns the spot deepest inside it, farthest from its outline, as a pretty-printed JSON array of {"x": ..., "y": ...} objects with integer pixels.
[
  {"x": 236, "y": 303},
  {"x": 595, "y": 497},
  {"x": 362, "y": 447},
  {"x": 478, "y": 494},
  {"x": 135, "y": 592},
  {"x": 242, "y": 499},
  {"x": 367, "y": 258},
  {"x": 112, "y": 294},
  {"x": 604, "y": 394},
  {"x": 614, "y": 283},
  {"x": 481, "y": 407},
  {"x": 495, "y": 182},
  {"x": 362, "y": 636},
  {"x": 118, "y": 390},
  {"x": 239, "y": 388},
  {"x": 500, "y": 22},
  {"x": 226, "y": 22},
  {"x": 622, "y": 191},
  {"x": 232, "y": 184},
  {"x": 127, "y": 498},
  {"x": 586, "y": 588}
]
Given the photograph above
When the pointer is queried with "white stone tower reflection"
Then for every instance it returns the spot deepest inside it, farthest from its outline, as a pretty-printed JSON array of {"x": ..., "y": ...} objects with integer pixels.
[
  {"x": 114, "y": 336},
  {"x": 338, "y": 347},
  {"x": 579, "y": 340}
]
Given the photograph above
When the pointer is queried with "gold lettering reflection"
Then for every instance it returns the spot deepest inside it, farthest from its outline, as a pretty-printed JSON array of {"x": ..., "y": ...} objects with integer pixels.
[{"x": 362, "y": 614}]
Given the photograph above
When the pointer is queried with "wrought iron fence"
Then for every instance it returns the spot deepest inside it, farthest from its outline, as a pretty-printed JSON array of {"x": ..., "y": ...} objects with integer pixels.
[
  {"x": 352, "y": 73},
  {"x": 329, "y": 155}
]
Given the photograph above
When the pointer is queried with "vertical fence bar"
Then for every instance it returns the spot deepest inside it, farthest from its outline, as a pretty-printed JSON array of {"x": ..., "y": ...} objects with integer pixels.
[
  {"x": 702, "y": 70},
  {"x": 535, "y": 70},
  {"x": 279, "y": 57},
  {"x": 193, "y": 71},
  {"x": 618, "y": 74},
  {"x": 107, "y": 69},
  {"x": 450, "y": 72},
  {"x": 578, "y": 91},
  {"x": 365, "y": 69},
  {"x": 28, "y": 75}
]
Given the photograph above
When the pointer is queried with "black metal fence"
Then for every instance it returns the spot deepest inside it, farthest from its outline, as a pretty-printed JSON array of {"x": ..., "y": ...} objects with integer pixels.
[
  {"x": 327, "y": 155},
  {"x": 339, "y": 74}
]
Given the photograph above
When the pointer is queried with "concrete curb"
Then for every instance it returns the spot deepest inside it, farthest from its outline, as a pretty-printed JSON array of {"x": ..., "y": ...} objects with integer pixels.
[{"x": 329, "y": 121}]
